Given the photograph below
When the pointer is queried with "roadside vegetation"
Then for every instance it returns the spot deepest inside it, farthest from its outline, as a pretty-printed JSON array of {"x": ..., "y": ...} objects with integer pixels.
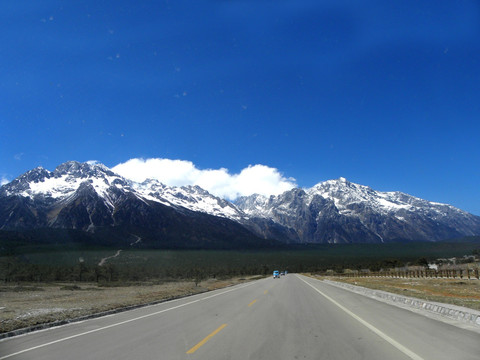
[{"x": 81, "y": 263}]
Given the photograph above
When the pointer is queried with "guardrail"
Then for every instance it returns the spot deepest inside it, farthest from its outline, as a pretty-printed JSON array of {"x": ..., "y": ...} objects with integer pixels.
[{"x": 470, "y": 274}]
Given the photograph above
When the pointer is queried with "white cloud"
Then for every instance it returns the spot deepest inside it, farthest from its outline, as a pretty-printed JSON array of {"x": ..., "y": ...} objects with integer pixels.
[
  {"x": 253, "y": 179},
  {"x": 4, "y": 181}
]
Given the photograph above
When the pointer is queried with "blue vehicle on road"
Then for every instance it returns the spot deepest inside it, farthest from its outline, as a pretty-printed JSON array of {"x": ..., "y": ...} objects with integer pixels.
[{"x": 276, "y": 274}]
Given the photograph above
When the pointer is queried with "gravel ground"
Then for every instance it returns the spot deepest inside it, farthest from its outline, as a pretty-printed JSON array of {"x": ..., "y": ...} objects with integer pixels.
[{"x": 27, "y": 305}]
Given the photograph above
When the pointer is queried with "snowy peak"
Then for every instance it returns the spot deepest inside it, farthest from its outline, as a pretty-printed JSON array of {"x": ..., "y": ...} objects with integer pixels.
[
  {"x": 340, "y": 188},
  {"x": 64, "y": 181},
  {"x": 342, "y": 211},
  {"x": 193, "y": 198},
  {"x": 83, "y": 170},
  {"x": 21, "y": 183},
  {"x": 345, "y": 193}
]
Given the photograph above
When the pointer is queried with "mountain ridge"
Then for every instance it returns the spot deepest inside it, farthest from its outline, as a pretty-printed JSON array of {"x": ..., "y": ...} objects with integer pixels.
[
  {"x": 89, "y": 196},
  {"x": 375, "y": 216},
  {"x": 93, "y": 199}
]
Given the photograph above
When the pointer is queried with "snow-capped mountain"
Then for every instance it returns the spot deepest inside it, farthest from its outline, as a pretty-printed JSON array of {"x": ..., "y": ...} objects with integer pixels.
[
  {"x": 65, "y": 181},
  {"x": 337, "y": 211},
  {"x": 62, "y": 184},
  {"x": 89, "y": 197}
]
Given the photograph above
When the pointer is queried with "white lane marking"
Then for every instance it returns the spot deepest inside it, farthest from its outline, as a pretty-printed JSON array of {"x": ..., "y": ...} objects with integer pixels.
[
  {"x": 384, "y": 336},
  {"x": 124, "y": 322}
]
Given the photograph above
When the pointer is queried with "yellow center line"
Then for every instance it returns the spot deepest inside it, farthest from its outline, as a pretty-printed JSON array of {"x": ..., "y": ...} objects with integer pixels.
[
  {"x": 253, "y": 302},
  {"x": 265, "y": 292},
  {"x": 201, "y": 343}
]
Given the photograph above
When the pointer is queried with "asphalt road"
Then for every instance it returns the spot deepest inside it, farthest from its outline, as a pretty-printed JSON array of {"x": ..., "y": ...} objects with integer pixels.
[{"x": 294, "y": 317}]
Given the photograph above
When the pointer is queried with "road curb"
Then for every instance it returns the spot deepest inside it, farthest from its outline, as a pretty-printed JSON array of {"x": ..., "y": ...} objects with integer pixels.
[{"x": 453, "y": 312}]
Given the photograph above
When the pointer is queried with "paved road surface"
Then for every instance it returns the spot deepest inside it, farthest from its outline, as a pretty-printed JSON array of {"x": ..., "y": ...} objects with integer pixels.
[{"x": 294, "y": 317}]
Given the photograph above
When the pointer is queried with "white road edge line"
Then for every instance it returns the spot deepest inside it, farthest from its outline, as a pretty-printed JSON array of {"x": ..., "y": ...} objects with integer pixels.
[
  {"x": 384, "y": 336},
  {"x": 123, "y": 322}
]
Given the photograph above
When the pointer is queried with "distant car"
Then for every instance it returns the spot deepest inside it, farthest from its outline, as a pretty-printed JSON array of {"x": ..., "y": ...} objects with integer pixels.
[
  {"x": 276, "y": 274},
  {"x": 282, "y": 273}
]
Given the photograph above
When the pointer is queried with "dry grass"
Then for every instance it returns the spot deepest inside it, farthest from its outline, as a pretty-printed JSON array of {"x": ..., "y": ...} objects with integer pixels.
[
  {"x": 450, "y": 291},
  {"x": 32, "y": 304}
]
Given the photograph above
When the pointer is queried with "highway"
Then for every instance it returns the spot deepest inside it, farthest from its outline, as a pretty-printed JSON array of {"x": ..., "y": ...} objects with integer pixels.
[{"x": 294, "y": 317}]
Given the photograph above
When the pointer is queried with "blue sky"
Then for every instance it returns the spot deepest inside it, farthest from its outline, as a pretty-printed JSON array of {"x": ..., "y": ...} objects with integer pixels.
[{"x": 386, "y": 94}]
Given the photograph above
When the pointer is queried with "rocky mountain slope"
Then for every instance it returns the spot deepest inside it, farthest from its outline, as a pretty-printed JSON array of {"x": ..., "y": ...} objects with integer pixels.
[
  {"x": 338, "y": 211},
  {"x": 93, "y": 199}
]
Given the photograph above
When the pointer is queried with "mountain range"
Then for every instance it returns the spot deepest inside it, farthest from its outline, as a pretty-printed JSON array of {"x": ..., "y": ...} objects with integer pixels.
[{"x": 91, "y": 199}]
